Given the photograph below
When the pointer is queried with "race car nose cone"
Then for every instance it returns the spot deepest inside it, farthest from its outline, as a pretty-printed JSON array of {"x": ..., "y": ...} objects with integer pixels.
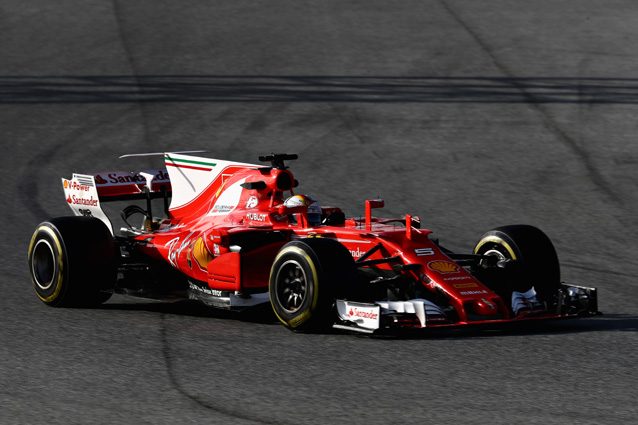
[{"x": 485, "y": 307}]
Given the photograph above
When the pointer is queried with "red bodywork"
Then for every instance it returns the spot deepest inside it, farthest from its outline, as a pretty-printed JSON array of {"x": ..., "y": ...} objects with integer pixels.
[{"x": 199, "y": 240}]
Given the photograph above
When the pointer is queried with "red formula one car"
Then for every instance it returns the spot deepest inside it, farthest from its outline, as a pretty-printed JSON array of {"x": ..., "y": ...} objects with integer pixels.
[{"x": 236, "y": 235}]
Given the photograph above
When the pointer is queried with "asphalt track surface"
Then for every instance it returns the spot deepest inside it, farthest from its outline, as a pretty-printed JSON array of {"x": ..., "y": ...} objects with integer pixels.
[{"x": 471, "y": 114}]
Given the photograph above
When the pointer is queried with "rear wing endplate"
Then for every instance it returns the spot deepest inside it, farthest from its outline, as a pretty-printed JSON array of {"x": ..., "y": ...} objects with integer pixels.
[{"x": 85, "y": 192}]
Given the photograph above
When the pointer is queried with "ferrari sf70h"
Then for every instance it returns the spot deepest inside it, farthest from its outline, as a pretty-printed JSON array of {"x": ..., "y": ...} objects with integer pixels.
[{"x": 235, "y": 235}]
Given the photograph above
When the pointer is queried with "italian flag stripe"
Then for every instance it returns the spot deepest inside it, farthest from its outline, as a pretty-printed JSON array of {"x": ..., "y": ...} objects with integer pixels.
[
  {"x": 168, "y": 164},
  {"x": 179, "y": 162}
]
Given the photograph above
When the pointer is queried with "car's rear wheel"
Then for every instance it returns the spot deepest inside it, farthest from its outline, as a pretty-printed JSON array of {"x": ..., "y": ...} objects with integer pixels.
[
  {"x": 306, "y": 278},
  {"x": 72, "y": 261},
  {"x": 534, "y": 262}
]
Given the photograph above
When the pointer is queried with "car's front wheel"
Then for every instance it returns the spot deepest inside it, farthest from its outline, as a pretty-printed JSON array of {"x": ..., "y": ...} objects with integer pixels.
[
  {"x": 305, "y": 278},
  {"x": 532, "y": 260}
]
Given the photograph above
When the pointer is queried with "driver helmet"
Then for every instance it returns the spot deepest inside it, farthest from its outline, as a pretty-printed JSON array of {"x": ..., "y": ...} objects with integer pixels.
[{"x": 314, "y": 209}]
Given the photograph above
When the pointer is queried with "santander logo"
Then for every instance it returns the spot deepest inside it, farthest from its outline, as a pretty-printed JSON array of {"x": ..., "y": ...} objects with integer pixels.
[
  {"x": 355, "y": 312},
  {"x": 356, "y": 253}
]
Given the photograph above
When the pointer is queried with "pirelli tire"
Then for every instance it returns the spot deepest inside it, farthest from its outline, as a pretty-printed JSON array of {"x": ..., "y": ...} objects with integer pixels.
[
  {"x": 72, "y": 261},
  {"x": 306, "y": 277},
  {"x": 535, "y": 261}
]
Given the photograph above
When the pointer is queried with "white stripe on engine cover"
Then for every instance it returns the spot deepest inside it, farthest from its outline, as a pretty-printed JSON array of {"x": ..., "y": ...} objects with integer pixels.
[{"x": 188, "y": 183}]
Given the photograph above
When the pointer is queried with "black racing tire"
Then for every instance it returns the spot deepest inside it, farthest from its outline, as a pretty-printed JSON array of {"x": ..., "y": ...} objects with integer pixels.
[
  {"x": 72, "y": 261},
  {"x": 306, "y": 277},
  {"x": 535, "y": 260}
]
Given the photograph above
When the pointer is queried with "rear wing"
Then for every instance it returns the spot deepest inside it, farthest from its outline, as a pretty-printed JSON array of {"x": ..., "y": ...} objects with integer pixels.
[
  {"x": 191, "y": 182},
  {"x": 121, "y": 186},
  {"x": 85, "y": 192}
]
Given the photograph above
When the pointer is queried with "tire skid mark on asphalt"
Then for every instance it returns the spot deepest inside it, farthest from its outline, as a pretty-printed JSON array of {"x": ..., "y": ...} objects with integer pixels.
[
  {"x": 29, "y": 196},
  {"x": 256, "y": 125},
  {"x": 350, "y": 119},
  {"x": 594, "y": 174},
  {"x": 172, "y": 376},
  {"x": 117, "y": 15}
]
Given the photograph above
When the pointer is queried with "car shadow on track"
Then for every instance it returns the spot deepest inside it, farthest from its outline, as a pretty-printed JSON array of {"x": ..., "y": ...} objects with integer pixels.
[
  {"x": 260, "y": 314},
  {"x": 264, "y": 315},
  {"x": 603, "y": 323}
]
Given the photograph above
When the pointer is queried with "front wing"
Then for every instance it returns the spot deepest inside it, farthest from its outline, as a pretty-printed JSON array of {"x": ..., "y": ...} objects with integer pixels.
[{"x": 573, "y": 301}]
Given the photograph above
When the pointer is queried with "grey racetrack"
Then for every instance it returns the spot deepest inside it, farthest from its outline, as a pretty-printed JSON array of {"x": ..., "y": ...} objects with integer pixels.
[{"x": 470, "y": 114}]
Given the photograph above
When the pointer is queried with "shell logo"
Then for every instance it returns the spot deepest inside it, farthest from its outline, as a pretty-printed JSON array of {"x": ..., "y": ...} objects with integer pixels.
[
  {"x": 66, "y": 184},
  {"x": 443, "y": 267},
  {"x": 201, "y": 254}
]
